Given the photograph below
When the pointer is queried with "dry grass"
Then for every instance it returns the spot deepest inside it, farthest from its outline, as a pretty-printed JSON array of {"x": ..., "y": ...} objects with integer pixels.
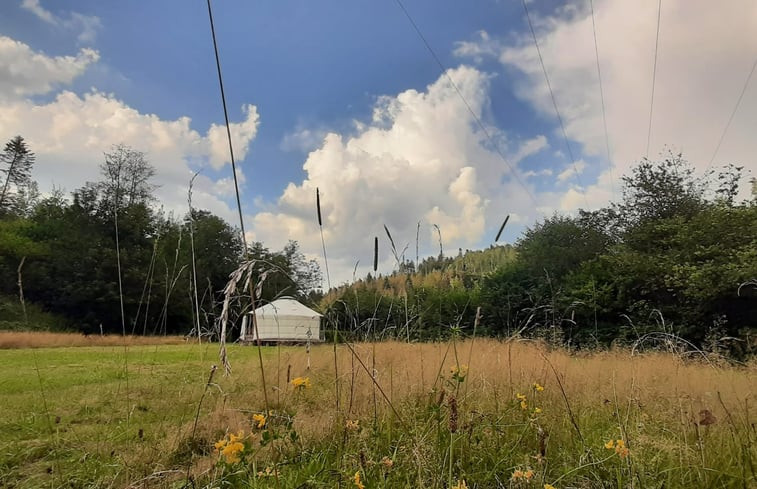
[
  {"x": 653, "y": 401},
  {"x": 28, "y": 339},
  {"x": 497, "y": 371}
]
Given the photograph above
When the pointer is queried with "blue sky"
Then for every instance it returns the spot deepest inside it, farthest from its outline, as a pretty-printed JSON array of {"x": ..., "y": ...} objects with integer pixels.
[{"x": 345, "y": 96}]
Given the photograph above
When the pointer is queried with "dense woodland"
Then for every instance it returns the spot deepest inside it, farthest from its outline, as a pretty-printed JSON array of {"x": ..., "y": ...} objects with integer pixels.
[
  {"x": 676, "y": 256},
  {"x": 63, "y": 250}
]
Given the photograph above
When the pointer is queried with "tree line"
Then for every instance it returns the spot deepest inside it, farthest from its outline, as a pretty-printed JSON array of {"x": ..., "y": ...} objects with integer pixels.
[
  {"x": 673, "y": 262},
  {"x": 108, "y": 247}
]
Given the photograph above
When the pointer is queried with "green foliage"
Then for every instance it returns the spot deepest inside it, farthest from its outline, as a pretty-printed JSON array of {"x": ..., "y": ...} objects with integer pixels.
[{"x": 16, "y": 163}]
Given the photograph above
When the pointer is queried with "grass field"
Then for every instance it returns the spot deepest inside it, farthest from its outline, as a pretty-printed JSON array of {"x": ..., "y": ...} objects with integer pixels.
[{"x": 470, "y": 414}]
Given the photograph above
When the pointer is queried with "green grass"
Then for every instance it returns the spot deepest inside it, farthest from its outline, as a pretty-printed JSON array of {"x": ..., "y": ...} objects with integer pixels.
[{"x": 83, "y": 417}]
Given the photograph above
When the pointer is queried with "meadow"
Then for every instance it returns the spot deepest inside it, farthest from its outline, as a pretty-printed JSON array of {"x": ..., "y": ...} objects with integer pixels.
[{"x": 456, "y": 414}]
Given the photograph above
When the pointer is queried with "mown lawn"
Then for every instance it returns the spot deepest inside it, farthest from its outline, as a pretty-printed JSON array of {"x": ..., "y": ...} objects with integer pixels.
[{"x": 489, "y": 413}]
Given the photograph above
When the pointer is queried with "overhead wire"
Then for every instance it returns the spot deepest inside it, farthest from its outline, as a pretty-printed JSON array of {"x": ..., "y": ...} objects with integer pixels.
[
  {"x": 554, "y": 101},
  {"x": 222, "y": 353},
  {"x": 733, "y": 114},
  {"x": 602, "y": 98},
  {"x": 654, "y": 77},
  {"x": 480, "y": 124}
]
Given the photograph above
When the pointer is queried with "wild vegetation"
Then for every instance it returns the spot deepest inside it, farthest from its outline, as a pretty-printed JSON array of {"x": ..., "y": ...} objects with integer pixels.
[
  {"x": 676, "y": 258},
  {"x": 75, "y": 258},
  {"x": 476, "y": 414},
  {"x": 613, "y": 348}
]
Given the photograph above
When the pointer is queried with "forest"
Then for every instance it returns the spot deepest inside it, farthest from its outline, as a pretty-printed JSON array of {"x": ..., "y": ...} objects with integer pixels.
[{"x": 674, "y": 260}]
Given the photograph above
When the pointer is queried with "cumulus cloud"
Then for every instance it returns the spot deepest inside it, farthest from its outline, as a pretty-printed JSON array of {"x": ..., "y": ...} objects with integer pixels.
[
  {"x": 86, "y": 26},
  {"x": 571, "y": 171},
  {"x": 420, "y": 158},
  {"x": 701, "y": 69},
  {"x": 26, "y": 72},
  {"x": 70, "y": 133}
]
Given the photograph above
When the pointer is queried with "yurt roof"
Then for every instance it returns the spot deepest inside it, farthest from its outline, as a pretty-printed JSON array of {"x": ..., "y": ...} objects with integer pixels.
[{"x": 286, "y": 306}]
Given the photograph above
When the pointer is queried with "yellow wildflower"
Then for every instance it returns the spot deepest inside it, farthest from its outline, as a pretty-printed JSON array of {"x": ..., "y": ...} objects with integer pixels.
[
  {"x": 523, "y": 405},
  {"x": 460, "y": 485},
  {"x": 268, "y": 472},
  {"x": 301, "y": 382},
  {"x": 610, "y": 445},
  {"x": 528, "y": 475},
  {"x": 538, "y": 387},
  {"x": 520, "y": 397},
  {"x": 357, "y": 481},
  {"x": 233, "y": 438},
  {"x": 232, "y": 451},
  {"x": 220, "y": 444},
  {"x": 352, "y": 425},
  {"x": 621, "y": 449},
  {"x": 549, "y": 486},
  {"x": 259, "y": 420},
  {"x": 537, "y": 410},
  {"x": 518, "y": 474}
]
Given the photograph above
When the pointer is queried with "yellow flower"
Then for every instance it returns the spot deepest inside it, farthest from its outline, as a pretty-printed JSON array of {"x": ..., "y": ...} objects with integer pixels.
[
  {"x": 523, "y": 405},
  {"x": 301, "y": 382},
  {"x": 549, "y": 486},
  {"x": 259, "y": 419},
  {"x": 621, "y": 449},
  {"x": 220, "y": 444},
  {"x": 357, "y": 482},
  {"x": 352, "y": 425},
  {"x": 267, "y": 472},
  {"x": 458, "y": 373},
  {"x": 610, "y": 445},
  {"x": 537, "y": 410},
  {"x": 232, "y": 451},
  {"x": 233, "y": 438},
  {"x": 520, "y": 397},
  {"x": 518, "y": 474},
  {"x": 538, "y": 387},
  {"x": 460, "y": 485},
  {"x": 529, "y": 474}
]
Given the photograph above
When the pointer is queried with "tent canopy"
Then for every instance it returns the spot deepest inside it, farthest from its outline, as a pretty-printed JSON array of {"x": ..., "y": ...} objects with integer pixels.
[
  {"x": 285, "y": 307},
  {"x": 283, "y": 320}
]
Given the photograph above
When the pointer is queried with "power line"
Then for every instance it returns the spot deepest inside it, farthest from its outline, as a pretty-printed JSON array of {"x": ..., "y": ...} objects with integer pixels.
[
  {"x": 467, "y": 105},
  {"x": 228, "y": 130},
  {"x": 222, "y": 353},
  {"x": 654, "y": 76},
  {"x": 554, "y": 101},
  {"x": 602, "y": 97},
  {"x": 733, "y": 113}
]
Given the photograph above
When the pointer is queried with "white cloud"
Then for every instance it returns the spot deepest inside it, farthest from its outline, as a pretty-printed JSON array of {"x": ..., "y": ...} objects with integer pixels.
[
  {"x": 546, "y": 172},
  {"x": 571, "y": 171},
  {"x": 482, "y": 46},
  {"x": 701, "y": 68},
  {"x": 70, "y": 133},
  {"x": 85, "y": 25},
  {"x": 303, "y": 139},
  {"x": 26, "y": 72},
  {"x": 421, "y": 158},
  {"x": 242, "y": 133},
  {"x": 531, "y": 147}
]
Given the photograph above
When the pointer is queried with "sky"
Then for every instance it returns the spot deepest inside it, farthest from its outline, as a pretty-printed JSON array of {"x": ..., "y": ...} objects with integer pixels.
[{"x": 346, "y": 97}]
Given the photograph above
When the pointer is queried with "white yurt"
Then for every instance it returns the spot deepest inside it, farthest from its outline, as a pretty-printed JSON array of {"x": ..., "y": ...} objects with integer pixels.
[{"x": 283, "y": 320}]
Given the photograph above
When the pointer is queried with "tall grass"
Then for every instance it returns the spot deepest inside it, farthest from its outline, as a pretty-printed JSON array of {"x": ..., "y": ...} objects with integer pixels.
[{"x": 437, "y": 421}]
